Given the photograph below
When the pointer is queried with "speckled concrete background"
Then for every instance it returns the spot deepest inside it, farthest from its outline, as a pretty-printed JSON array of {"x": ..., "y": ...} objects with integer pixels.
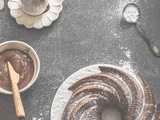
[{"x": 87, "y": 32}]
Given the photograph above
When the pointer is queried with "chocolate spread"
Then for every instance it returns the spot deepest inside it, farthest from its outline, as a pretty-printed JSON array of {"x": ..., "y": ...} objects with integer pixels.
[{"x": 22, "y": 64}]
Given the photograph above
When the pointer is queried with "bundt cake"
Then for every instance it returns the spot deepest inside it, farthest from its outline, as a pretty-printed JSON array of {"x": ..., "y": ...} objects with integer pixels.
[{"x": 110, "y": 88}]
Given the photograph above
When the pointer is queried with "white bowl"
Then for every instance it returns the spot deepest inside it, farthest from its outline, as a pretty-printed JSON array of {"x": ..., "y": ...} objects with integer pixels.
[{"x": 26, "y": 48}]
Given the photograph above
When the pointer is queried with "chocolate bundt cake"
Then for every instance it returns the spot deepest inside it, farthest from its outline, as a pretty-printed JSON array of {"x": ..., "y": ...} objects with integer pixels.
[{"x": 110, "y": 88}]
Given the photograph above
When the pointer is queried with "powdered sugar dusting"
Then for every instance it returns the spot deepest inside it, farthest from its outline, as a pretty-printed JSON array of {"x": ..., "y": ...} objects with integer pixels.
[
  {"x": 131, "y": 13},
  {"x": 123, "y": 3}
]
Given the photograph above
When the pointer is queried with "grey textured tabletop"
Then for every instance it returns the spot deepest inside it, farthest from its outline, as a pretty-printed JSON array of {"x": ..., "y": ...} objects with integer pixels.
[{"x": 87, "y": 32}]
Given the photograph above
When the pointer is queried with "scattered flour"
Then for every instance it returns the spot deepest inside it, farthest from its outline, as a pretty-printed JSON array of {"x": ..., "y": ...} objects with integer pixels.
[
  {"x": 40, "y": 118},
  {"x": 127, "y": 64},
  {"x": 127, "y": 52},
  {"x": 34, "y": 118},
  {"x": 114, "y": 32}
]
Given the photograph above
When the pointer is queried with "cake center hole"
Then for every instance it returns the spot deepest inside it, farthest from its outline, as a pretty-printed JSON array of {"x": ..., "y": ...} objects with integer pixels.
[{"x": 111, "y": 113}]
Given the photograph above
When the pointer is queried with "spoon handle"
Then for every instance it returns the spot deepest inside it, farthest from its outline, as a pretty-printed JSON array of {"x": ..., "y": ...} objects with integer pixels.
[{"x": 154, "y": 48}]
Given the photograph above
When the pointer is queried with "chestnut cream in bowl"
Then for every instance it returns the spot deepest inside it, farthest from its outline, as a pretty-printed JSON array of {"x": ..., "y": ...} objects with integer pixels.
[{"x": 24, "y": 61}]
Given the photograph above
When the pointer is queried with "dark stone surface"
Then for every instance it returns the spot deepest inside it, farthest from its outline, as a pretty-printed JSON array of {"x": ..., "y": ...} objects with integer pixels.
[{"x": 87, "y": 32}]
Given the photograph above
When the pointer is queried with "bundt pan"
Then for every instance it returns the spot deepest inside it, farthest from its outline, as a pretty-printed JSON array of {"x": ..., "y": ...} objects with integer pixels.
[{"x": 111, "y": 87}]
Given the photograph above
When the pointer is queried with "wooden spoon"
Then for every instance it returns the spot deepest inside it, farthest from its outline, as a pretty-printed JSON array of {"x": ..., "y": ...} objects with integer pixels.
[{"x": 16, "y": 95}]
